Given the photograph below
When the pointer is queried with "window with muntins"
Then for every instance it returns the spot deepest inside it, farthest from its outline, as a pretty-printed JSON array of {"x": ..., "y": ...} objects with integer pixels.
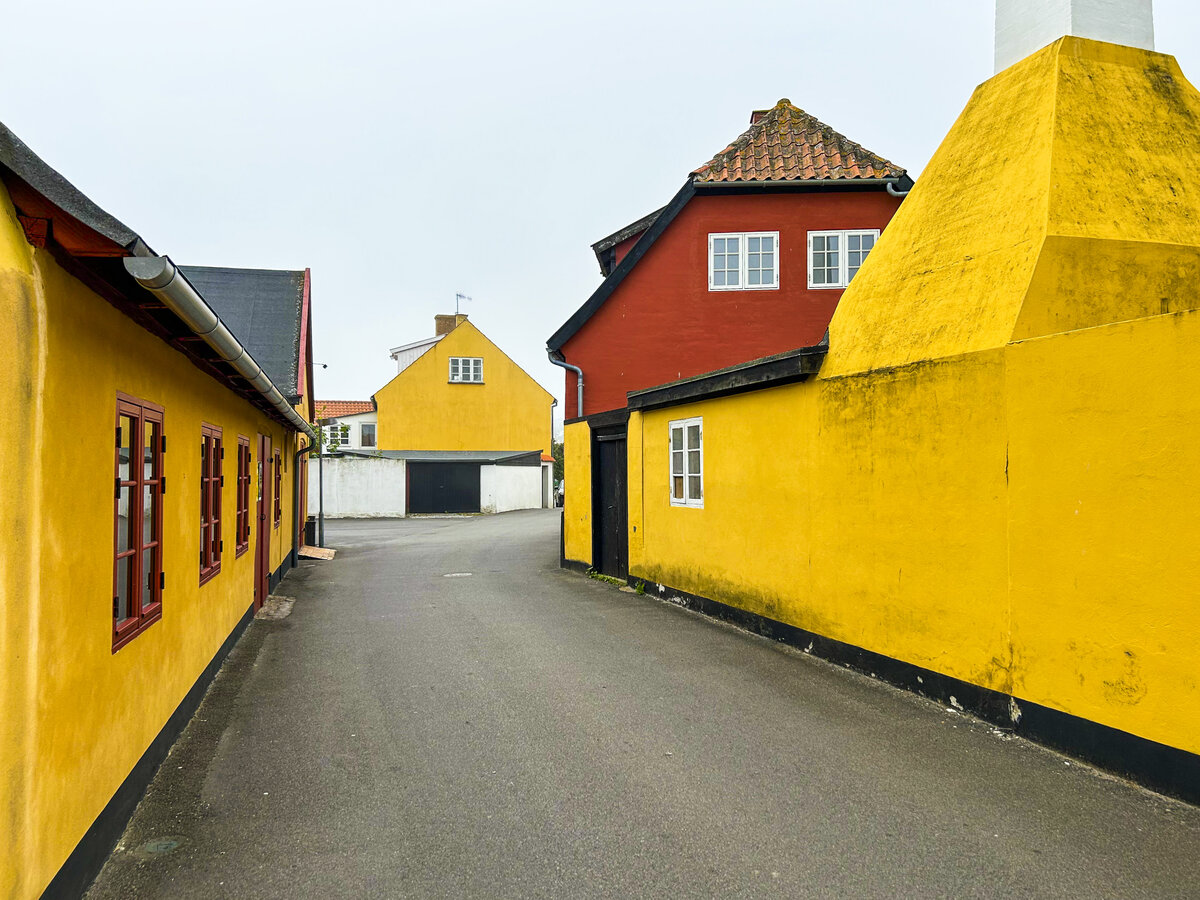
[
  {"x": 243, "y": 496},
  {"x": 278, "y": 488},
  {"x": 466, "y": 369},
  {"x": 137, "y": 569},
  {"x": 367, "y": 434},
  {"x": 336, "y": 435},
  {"x": 211, "y": 479},
  {"x": 743, "y": 261},
  {"x": 834, "y": 257},
  {"x": 687, "y": 462}
]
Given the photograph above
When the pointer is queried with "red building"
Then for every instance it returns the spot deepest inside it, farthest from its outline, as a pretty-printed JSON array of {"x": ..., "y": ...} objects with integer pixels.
[{"x": 749, "y": 259}]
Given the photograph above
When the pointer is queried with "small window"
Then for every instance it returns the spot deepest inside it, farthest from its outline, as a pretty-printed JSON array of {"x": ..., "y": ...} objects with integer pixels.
[
  {"x": 743, "y": 262},
  {"x": 834, "y": 257},
  {"x": 211, "y": 479},
  {"x": 137, "y": 569},
  {"x": 466, "y": 369},
  {"x": 278, "y": 488},
  {"x": 243, "y": 495},
  {"x": 368, "y": 434},
  {"x": 687, "y": 462},
  {"x": 336, "y": 436}
]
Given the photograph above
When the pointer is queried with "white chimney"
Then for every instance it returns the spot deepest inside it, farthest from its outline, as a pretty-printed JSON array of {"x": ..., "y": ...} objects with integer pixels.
[{"x": 1025, "y": 26}]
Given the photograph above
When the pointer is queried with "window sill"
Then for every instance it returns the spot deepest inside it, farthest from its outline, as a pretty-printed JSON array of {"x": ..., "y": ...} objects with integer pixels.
[
  {"x": 683, "y": 504},
  {"x": 127, "y": 638},
  {"x": 464, "y": 382},
  {"x": 757, "y": 287},
  {"x": 240, "y": 551},
  {"x": 207, "y": 575},
  {"x": 827, "y": 287}
]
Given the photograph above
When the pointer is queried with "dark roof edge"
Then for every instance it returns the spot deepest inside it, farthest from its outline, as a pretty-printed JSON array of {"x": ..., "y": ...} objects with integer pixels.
[
  {"x": 604, "y": 291},
  {"x": 902, "y": 183},
  {"x": 770, "y": 371},
  {"x": 627, "y": 232},
  {"x": 16, "y": 156}
]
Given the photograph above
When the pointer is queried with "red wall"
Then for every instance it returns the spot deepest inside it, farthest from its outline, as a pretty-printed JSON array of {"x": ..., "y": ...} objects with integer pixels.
[{"x": 662, "y": 323}]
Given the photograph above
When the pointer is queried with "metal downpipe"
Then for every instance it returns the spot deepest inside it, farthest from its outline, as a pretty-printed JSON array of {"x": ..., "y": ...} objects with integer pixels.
[{"x": 562, "y": 363}]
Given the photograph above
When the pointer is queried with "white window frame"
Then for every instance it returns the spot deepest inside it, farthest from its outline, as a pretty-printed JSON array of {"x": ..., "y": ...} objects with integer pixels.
[
  {"x": 337, "y": 435},
  {"x": 743, "y": 261},
  {"x": 687, "y": 475},
  {"x": 843, "y": 237},
  {"x": 474, "y": 367}
]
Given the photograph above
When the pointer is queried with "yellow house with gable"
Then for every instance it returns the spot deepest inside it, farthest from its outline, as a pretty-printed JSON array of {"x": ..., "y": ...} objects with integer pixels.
[
  {"x": 151, "y": 502},
  {"x": 472, "y": 426},
  {"x": 984, "y": 485}
]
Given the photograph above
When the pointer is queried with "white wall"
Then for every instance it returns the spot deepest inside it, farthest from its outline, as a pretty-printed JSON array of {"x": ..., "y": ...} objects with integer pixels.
[
  {"x": 359, "y": 487},
  {"x": 354, "y": 424},
  {"x": 502, "y": 488},
  {"x": 1026, "y": 26}
]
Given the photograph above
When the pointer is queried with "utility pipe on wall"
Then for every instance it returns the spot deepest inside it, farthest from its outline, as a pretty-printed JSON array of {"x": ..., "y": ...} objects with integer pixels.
[
  {"x": 160, "y": 277},
  {"x": 556, "y": 357}
]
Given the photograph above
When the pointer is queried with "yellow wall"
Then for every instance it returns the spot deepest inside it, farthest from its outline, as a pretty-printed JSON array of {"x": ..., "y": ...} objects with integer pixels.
[
  {"x": 420, "y": 410},
  {"x": 996, "y": 474},
  {"x": 75, "y": 716},
  {"x": 577, "y": 500}
]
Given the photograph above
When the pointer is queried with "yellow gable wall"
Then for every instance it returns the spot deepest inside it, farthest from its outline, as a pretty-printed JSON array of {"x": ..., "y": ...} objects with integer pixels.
[
  {"x": 74, "y": 716},
  {"x": 420, "y": 410}
]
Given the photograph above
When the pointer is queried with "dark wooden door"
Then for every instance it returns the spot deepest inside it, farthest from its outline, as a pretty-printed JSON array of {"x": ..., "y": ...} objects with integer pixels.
[
  {"x": 610, "y": 506},
  {"x": 450, "y": 487},
  {"x": 262, "y": 538}
]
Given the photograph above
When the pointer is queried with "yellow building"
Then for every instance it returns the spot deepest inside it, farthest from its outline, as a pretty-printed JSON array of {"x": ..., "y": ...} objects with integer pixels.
[
  {"x": 473, "y": 428},
  {"x": 126, "y": 582},
  {"x": 984, "y": 485}
]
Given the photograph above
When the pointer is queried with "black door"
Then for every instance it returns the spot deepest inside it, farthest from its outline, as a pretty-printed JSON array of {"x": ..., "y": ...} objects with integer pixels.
[
  {"x": 449, "y": 487},
  {"x": 610, "y": 506}
]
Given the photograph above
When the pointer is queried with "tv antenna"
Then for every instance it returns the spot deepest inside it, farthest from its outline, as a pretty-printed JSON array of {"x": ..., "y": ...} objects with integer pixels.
[{"x": 458, "y": 298}]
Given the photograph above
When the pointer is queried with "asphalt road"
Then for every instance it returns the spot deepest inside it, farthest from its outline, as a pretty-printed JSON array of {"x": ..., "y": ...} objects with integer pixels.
[{"x": 445, "y": 713}]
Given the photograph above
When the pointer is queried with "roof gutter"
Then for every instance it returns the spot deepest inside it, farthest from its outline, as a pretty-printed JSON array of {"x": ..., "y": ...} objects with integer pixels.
[
  {"x": 813, "y": 184},
  {"x": 159, "y": 276},
  {"x": 556, "y": 357}
]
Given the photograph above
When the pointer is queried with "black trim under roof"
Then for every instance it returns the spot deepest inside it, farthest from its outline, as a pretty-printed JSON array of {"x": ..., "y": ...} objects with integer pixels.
[
  {"x": 667, "y": 215},
  {"x": 770, "y": 371}
]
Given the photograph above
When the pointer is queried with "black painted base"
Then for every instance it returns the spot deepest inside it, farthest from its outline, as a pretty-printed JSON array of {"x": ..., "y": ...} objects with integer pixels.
[
  {"x": 1159, "y": 767},
  {"x": 94, "y": 848},
  {"x": 576, "y": 566}
]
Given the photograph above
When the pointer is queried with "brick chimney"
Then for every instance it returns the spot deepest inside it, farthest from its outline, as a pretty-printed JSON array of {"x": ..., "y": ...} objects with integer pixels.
[
  {"x": 447, "y": 323},
  {"x": 1025, "y": 26}
]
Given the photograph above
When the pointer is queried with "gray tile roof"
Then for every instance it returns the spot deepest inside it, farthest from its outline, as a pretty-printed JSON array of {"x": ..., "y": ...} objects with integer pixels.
[{"x": 263, "y": 308}]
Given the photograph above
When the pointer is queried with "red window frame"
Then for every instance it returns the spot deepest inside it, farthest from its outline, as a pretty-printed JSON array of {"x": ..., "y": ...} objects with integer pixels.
[
  {"x": 278, "y": 488},
  {"x": 140, "y": 561},
  {"x": 243, "y": 496},
  {"x": 211, "y": 482}
]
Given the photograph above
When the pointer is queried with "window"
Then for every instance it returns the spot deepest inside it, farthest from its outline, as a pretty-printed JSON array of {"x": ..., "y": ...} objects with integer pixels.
[
  {"x": 242, "y": 541},
  {"x": 834, "y": 257},
  {"x": 466, "y": 369},
  {"x": 743, "y": 262},
  {"x": 211, "y": 479},
  {"x": 368, "y": 434},
  {"x": 278, "y": 489},
  {"x": 137, "y": 568},
  {"x": 687, "y": 462},
  {"x": 336, "y": 436}
]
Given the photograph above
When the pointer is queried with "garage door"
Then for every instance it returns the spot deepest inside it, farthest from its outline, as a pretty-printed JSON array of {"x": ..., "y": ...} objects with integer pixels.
[{"x": 451, "y": 487}]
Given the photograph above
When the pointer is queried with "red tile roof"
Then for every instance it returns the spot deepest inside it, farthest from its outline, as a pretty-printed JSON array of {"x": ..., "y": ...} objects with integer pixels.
[
  {"x": 785, "y": 143},
  {"x": 332, "y": 409},
  {"x": 546, "y": 457}
]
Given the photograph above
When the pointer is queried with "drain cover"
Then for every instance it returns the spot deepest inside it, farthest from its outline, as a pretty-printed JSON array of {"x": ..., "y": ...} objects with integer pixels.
[{"x": 161, "y": 846}]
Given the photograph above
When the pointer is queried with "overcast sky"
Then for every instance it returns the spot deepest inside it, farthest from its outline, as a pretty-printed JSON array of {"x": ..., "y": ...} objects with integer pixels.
[{"x": 408, "y": 151}]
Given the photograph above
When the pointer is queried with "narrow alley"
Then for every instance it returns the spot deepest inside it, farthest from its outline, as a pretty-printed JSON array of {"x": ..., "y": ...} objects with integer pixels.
[{"x": 446, "y": 713}]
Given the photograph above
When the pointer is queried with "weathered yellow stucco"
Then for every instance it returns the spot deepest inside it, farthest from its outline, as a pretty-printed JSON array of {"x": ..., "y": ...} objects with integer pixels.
[
  {"x": 74, "y": 716},
  {"x": 420, "y": 409},
  {"x": 996, "y": 474},
  {"x": 577, "y": 499}
]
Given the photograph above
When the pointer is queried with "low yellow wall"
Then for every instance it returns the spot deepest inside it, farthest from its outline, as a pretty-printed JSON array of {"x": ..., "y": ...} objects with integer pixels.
[
  {"x": 74, "y": 716},
  {"x": 1022, "y": 519},
  {"x": 577, "y": 501},
  {"x": 420, "y": 409}
]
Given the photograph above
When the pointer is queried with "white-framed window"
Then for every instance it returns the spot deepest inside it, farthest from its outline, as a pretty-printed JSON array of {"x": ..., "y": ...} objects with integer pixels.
[
  {"x": 367, "y": 434},
  {"x": 687, "y": 462},
  {"x": 834, "y": 257},
  {"x": 337, "y": 435},
  {"x": 745, "y": 261},
  {"x": 466, "y": 369}
]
